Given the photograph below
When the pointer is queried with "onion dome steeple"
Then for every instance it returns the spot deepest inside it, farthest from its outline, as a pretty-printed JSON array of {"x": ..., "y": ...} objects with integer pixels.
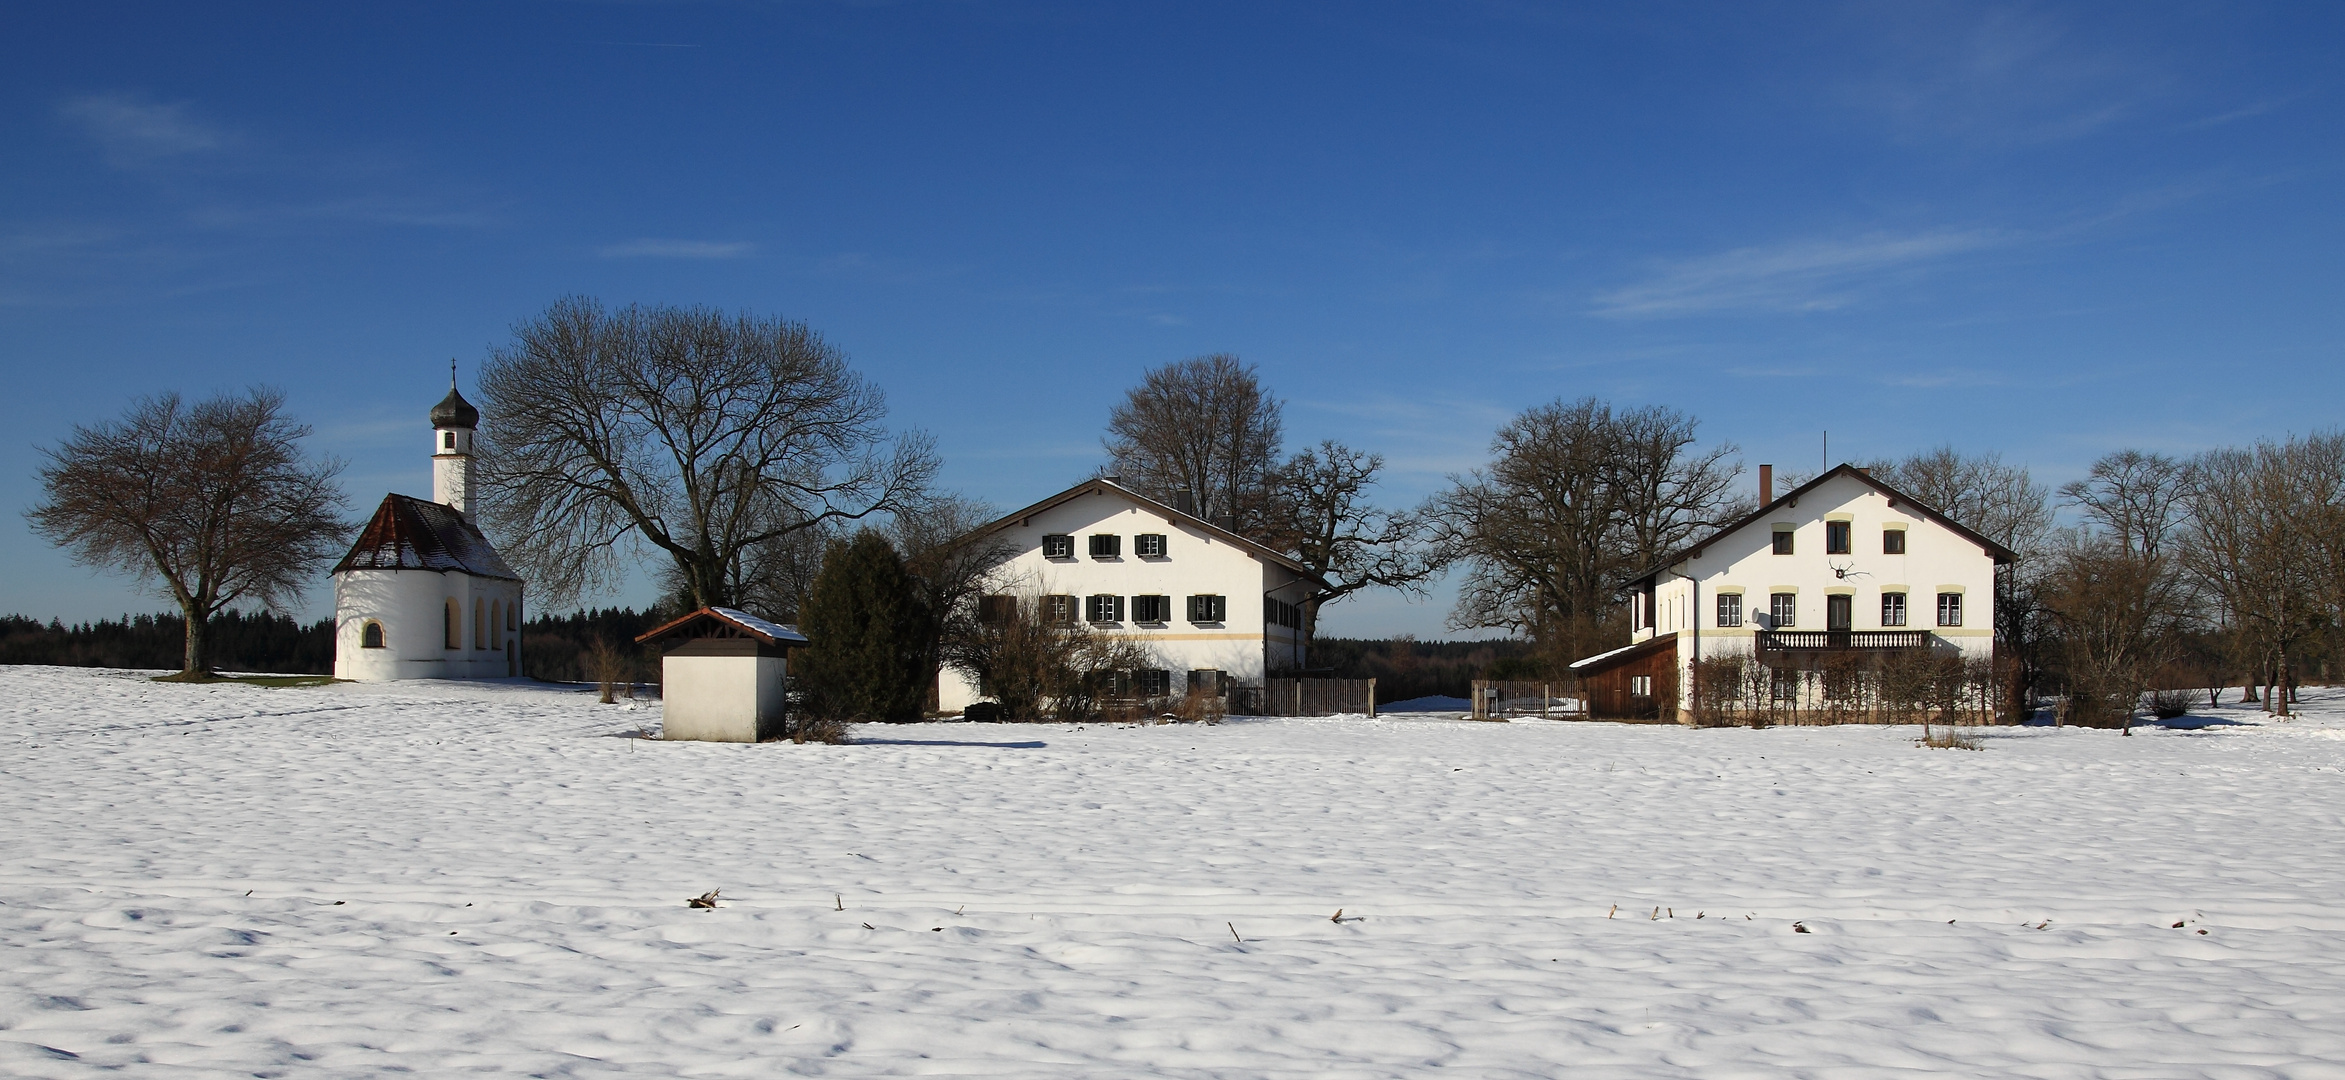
[{"x": 455, "y": 412}]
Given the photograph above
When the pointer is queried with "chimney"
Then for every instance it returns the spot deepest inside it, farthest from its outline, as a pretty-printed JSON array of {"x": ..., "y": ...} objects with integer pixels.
[
  {"x": 1185, "y": 501},
  {"x": 1766, "y": 484}
]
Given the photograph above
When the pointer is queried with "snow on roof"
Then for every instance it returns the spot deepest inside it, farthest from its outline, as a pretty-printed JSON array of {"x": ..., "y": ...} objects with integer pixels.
[
  {"x": 1653, "y": 642},
  {"x": 408, "y": 533},
  {"x": 769, "y": 628},
  {"x": 1577, "y": 664}
]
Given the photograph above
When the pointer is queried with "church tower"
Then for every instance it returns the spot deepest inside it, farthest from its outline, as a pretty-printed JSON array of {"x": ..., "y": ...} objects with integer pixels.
[{"x": 453, "y": 422}]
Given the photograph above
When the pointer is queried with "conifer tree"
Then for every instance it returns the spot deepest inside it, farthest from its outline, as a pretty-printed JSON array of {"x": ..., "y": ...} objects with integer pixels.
[{"x": 868, "y": 632}]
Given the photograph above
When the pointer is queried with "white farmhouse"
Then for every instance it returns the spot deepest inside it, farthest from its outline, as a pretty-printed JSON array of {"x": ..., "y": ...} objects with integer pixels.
[
  {"x": 422, "y": 594},
  {"x": 1216, "y": 609},
  {"x": 1843, "y": 562}
]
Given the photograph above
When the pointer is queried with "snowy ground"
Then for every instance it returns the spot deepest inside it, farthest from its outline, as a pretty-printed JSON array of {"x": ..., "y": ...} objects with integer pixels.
[{"x": 447, "y": 879}]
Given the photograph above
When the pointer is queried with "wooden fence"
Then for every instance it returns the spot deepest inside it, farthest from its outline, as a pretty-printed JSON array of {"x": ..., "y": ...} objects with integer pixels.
[
  {"x": 1497, "y": 699},
  {"x": 1305, "y": 697}
]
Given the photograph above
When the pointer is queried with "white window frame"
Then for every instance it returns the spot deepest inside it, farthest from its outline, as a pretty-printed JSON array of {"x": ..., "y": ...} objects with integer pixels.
[
  {"x": 1729, "y": 609},
  {"x": 1950, "y": 609},
  {"x": 1893, "y": 609},
  {"x": 1777, "y": 604}
]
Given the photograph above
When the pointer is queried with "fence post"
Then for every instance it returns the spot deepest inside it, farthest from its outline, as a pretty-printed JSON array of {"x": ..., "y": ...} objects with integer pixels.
[{"x": 1371, "y": 699}]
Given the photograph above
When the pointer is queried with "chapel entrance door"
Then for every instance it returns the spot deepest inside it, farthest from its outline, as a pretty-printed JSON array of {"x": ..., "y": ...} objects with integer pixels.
[{"x": 511, "y": 667}]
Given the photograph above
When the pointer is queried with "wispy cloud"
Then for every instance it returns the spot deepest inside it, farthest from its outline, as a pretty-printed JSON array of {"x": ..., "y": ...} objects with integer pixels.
[
  {"x": 1998, "y": 75},
  {"x": 1801, "y": 276},
  {"x": 2257, "y": 109},
  {"x": 679, "y": 249},
  {"x": 134, "y": 131}
]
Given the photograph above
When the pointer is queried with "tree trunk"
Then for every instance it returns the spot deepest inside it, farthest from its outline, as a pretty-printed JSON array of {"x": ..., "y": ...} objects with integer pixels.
[
  {"x": 2280, "y": 683},
  {"x": 198, "y": 657}
]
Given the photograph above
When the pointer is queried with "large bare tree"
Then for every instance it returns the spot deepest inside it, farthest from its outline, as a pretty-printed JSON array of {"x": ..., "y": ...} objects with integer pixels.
[
  {"x": 1201, "y": 434},
  {"x": 705, "y": 436},
  {"x": 1319, "y": 513},
  {"x": 1577, "y": 499},
  {"x": 215, "y": 501}
]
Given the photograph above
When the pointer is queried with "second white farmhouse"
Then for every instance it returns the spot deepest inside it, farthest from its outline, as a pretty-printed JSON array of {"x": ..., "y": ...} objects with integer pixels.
[{"x": 1214, "y": 608}]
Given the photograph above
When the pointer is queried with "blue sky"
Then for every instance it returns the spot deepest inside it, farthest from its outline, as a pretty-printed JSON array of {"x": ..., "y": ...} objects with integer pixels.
[{"x": 2047, "y": 231}]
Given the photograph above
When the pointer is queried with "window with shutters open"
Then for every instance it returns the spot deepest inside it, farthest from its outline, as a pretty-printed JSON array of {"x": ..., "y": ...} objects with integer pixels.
[
  {"x": 1058, "y": 610},
  {"x": 1208, "y": 609},
  {"x": 1148, "y": 545},
  {"x": 1107, "y": 546},
  {"x": 1151, "y": 609},
  {"x": 1103, "y": 608},
  {"x": 1058, "y": 546}
]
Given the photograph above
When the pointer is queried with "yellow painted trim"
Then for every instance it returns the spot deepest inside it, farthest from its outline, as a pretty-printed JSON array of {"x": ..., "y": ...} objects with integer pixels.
[
  {"x": 1839, "y": 590},
  {"x": 1727, "y": 590},
  {"x": 1851, "y": 518},
  {"x": 1951, "y": 588},
  {"x": 1773, "y": 589}
]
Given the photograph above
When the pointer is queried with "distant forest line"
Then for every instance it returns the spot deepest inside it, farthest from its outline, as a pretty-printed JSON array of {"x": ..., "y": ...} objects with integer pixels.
[{"x": 554, "y": 648}]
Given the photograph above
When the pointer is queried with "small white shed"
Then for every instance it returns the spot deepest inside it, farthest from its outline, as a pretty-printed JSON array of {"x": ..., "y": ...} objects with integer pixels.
[{"x": 724, "y": 675}]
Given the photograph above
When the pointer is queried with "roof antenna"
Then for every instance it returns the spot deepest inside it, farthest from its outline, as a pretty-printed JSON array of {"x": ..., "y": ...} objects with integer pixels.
[{"x": 1827, "y": 432}]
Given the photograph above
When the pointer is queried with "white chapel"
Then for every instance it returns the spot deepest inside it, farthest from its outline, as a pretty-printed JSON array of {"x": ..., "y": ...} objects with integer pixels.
[{"x": 423, "y": 594}]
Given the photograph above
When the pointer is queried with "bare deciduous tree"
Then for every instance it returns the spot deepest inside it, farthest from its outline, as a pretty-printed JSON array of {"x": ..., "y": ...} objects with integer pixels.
[
  {"x": 1201, "y": 431},
  {"x": 2004, "y": 504},
  {"x": 1038, "y": 668},
  {"x": 1576, "y": 500},
  {"x": 1320, "y": 514},
  {"x": 2120, "y": 612},
  {"x": 951, "y": 560},
  {"x": 2257, "y": 547},
  {"x": 702, "y": 435},
  {"x": 215, "y": 499}
]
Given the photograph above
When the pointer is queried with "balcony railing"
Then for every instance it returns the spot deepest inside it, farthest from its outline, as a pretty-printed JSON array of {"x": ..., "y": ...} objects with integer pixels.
[{"x": 1844, "y": 639}]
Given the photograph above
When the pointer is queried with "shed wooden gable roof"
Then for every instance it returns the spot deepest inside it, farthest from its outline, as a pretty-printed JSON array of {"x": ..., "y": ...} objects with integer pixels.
[
  {"x": 724, "y": 622},
  {"x": 408, "y": 533}
]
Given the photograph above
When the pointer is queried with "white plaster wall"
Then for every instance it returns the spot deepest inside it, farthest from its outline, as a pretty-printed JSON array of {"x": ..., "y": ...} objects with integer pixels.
[
  {"x": 721, "y": 698},
  {"x": 1194, "y": 563},
  {"x": 409, "y": 604}
]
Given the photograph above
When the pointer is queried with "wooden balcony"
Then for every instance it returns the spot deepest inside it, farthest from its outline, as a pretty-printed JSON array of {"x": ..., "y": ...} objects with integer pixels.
[{"x": 1786, "y": 640}]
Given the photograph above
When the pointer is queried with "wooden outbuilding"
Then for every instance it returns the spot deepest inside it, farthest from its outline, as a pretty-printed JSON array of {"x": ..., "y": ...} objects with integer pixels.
[
  {"x": 724, "y": 675},
  {"x": 1636, "y": 682}
]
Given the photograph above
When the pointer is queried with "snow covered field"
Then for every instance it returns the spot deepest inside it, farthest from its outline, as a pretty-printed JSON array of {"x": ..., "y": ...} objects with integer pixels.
[{"x": 448, "y": 879}]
